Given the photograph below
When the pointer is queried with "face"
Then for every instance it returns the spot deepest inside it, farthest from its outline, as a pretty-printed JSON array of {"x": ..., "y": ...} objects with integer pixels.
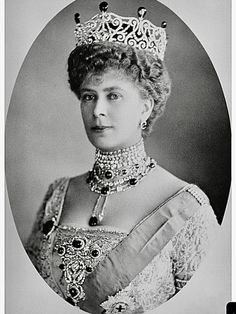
[{"x": 112, "y": 110}]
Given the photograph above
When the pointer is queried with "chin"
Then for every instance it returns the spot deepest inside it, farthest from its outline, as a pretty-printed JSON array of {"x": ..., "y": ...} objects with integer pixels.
[
  {"x": 106, "y": 147},
  {"x": 104, "y": 143},
  {"x": 108, "y": 142}
]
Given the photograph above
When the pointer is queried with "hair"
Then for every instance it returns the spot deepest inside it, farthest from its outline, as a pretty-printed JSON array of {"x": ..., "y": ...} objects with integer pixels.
[{"x": 143, "y": 68}]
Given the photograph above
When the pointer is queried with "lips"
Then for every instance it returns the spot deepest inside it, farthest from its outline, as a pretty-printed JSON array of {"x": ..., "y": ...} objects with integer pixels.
[{"x": 100, "y": 127}]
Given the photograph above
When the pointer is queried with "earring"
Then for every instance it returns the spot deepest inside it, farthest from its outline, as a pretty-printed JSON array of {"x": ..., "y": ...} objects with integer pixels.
[{"x": 143, "y": 125}]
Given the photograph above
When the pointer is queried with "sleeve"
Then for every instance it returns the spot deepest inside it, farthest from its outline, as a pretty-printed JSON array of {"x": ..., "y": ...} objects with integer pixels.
[
  {"x": 34, "y": 242},
  {"x": 192, "y": 243}
]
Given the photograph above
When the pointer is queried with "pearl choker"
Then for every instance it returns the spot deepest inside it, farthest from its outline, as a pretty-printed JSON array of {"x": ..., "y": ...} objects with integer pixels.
[{"x": 117, "y": 171}]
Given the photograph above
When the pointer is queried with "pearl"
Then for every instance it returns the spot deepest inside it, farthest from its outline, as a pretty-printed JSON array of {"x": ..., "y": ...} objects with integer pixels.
[
  {"x": 163, "y": 24},
  {"x": 152, "y": 165},
  {"x": 103, "y": 6},
  {"x": 142, "y": 12}
]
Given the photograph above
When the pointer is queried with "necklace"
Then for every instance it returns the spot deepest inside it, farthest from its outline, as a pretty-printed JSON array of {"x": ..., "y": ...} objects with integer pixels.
[{"x": 117, "y": 171}]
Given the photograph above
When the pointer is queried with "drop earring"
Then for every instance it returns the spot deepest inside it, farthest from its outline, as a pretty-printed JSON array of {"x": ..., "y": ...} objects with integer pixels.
[{"x": 143, "y": 125}]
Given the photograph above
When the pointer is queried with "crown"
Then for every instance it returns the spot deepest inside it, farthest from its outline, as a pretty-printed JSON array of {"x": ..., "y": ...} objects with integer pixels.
[{"x": 136, "y": 32}]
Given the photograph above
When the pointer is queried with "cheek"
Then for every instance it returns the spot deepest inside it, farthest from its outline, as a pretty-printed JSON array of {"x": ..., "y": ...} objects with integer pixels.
[
  {"x": 85, "y": 114},
  {"x": 129, "y": 120},
  {"x": 133, "y": 113},
  {"x": 86, "y": 109}
]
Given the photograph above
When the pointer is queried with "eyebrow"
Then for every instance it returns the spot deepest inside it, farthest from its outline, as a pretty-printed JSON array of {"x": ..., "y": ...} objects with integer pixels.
[
  {"x": 86, "y": 90},
  {"x": 107, "y": 89}
]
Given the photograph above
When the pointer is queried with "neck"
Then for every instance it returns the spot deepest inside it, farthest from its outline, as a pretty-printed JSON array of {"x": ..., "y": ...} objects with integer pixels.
[
  {"x": 135, "y": 152},
  {"x": 119, "y": 170}
]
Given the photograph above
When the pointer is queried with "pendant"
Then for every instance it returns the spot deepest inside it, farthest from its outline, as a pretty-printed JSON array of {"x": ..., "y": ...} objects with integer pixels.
[
  {"x": 98, "y": 211},
  {"x": 93, "y": 221}
]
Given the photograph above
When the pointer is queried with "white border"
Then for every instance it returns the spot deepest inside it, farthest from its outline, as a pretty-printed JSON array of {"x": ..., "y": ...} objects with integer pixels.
[
  {"x": 2, "y": 9},
  {"x": 233, "y": 223},
  {"x": 2, "y": 176}
]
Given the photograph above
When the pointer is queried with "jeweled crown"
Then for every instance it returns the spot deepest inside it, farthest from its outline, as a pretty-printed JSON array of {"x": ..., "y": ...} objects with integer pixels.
[{"x": 136, "y": 32}]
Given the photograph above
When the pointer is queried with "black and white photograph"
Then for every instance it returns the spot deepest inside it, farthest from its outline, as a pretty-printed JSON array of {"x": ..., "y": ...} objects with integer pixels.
[{"x": 118, "y": 156}]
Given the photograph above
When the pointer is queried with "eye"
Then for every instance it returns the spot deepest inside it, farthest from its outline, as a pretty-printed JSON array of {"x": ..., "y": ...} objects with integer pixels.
[
  {"x": 114, "y": 96},
  {"x": 88, "y": 97}
]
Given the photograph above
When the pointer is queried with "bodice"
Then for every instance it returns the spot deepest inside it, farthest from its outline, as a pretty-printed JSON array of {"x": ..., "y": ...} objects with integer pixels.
[
  {"x": 75, "y": 254},
  {"x": 67, "y": 255}
]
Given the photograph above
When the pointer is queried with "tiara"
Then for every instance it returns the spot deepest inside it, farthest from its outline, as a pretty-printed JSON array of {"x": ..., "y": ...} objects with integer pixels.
[{"x": 136, "y": 32}]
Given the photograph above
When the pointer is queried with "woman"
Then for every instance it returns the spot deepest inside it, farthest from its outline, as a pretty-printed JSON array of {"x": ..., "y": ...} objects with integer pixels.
[{"x": 127, "y": 235}]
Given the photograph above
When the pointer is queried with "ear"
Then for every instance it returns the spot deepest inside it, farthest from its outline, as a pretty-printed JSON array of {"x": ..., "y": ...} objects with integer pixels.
[{"x": 147, "y": 108}]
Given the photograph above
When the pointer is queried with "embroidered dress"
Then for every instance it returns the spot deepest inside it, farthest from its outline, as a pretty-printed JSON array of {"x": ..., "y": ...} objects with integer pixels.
[{"x": 102, "y": 270}]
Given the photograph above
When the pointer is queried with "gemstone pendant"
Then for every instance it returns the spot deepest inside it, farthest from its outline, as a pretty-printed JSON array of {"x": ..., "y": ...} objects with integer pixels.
[
  {"x": 108, "y": 174},
  {"x": 78, "y": 243},
  {"x": 93, "y": 221},
  {"x": 73, "y": 292},
  {"x": 95, "y": 253},
  {"x": 133, "y": 181},
  {"x": 105, "y": 190},
  {"x": 89, "y": 269},
  {"x": 48, "y": 227},
  {"x": 152, "y": 165}
]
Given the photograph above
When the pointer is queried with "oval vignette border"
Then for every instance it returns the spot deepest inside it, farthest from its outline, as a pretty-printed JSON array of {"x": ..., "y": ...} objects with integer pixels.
[{"x": 44, "y": 183}]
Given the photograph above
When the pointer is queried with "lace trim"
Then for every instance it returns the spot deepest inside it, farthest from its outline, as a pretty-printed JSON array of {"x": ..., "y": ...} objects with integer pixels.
[
  {"x": 198, "y": 194},
  {"x": 39, "y": 247},
  {"x": 193, "y": 241},
  {"x": 55, "y": 203},
  {"x": 100, "y": 229}
]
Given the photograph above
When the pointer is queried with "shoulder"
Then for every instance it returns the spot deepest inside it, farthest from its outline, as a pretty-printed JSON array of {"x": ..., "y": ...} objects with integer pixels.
[
  {"x": 182, "y": 197},
  {"x": 164, "y": 184},
  {"x": 201, "y": 226},
  {"x": 193, "y": 205},
  {"x": 177, "y": 188},
  {"x": 77, "y": 185},
  {"x": 61, "y": 184},
  {"x": 168, "y": 179},
  {"x": 66, "y": 186}
]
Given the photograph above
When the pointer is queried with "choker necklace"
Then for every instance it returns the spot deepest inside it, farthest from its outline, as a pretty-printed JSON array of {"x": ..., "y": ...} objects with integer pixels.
[{"x": 117, "y": 171}]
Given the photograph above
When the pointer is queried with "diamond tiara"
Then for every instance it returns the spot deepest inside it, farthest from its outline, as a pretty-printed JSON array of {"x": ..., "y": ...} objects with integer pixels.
[{"x": 136, "y": 32}]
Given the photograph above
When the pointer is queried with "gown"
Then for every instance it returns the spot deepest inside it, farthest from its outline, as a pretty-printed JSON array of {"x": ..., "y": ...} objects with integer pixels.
[{"x": 103, "y": 270}]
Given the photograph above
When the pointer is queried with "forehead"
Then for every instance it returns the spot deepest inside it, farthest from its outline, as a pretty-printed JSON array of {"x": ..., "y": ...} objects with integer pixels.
[{"x": 109, "y": 78}]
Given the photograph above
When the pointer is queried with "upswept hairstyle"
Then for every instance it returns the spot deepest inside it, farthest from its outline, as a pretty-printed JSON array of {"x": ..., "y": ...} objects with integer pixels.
[{"x": 147, "y": 72}]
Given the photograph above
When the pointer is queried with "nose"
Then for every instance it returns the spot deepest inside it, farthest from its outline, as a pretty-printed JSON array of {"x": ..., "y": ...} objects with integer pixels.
[{"x": 100, "y": 107}]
